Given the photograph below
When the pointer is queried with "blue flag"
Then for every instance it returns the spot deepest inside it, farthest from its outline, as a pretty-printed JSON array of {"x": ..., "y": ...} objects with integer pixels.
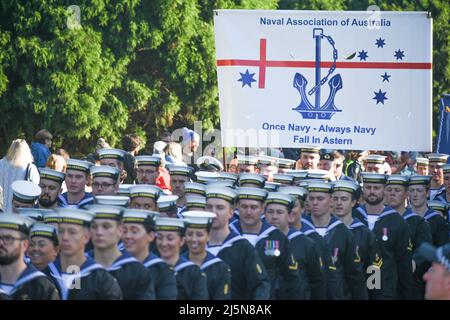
[{"x": 443, "y": 144}]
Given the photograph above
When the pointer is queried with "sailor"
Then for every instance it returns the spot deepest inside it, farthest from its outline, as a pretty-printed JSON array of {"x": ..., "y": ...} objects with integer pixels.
[
  {"x": 77, "y": 176},
  {"x": 438, "y": 275},
  {"x": 150, "y": 171},
  {"x": 253, "y": 180},
  {"x": 247, "y": 164},
  {"x": 309, "y": 158},
  {"x": 113, "y": 158},
  {"x": 25, "y": 194},
  {"x": 44, "y": 246},
  {"x": 218, "y": 273},
  {"x": 444, "y": 195},
  {"x": 285, "y": 164},
  {"x": 268, "y": 166},
  {"x": 344, "y": 198},
  {"x": 138, "y": 228},
  {"x": 134, "y": 279},
  {"x": 105, "y": 180},
  {"x": 77, "y": 276},
  {"x": 436, "y": 162},
  {"x": 144, "y": 196},
  {"x": 167, "y": 206},
  {"x": 50, "y": 183},
  {"x": 17, "y": 279},
  {"x": 179, "y": 175},
  {"x": 393, "y": 238},
  {"x": 277, "y": 209},
  {"x": 270, "y": 243},
  {"x": 249, "y": 278},
  {"x": 375, "y": 163},
  {"x": 194, "y": 189},
  {"x": 440, "y": 207},
  {"x": 116, "y": 200},
  {"x": 418, "y": 191},
  {"x": 191, "y": 281},
  {"x": 339, "y": 241},
  {"x": 422, "y": 166}
]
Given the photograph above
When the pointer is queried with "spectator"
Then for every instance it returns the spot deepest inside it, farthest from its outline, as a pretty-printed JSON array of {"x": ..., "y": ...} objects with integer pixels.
[
  {"x": 131, "y": 143},
  {"x": 16, "y": 165},
  {"x": 63, "y": 153},
  {"x": 56, "y": 162},
  {"x": 174, "y": 154},
  {"x": 190, "y": 143},
  {"x": 40, "y": 148}
]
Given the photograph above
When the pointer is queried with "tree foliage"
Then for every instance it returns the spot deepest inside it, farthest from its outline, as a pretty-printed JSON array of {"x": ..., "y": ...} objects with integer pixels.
[{"x": 143, "y": 66}]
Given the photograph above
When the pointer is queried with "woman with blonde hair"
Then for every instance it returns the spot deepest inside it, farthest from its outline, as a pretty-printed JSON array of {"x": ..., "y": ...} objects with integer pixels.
[{"x": 16, "y": 165}]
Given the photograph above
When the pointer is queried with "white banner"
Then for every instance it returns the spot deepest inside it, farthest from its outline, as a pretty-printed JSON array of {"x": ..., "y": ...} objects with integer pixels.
[{"x": 341, "y": 80}]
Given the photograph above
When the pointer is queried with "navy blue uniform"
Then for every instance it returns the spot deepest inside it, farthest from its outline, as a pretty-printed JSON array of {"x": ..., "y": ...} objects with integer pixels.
[{"x": 163, "y": 277}]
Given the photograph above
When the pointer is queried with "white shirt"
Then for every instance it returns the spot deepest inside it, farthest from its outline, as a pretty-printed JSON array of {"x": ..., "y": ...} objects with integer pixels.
[{"x": 371, "y": 219}]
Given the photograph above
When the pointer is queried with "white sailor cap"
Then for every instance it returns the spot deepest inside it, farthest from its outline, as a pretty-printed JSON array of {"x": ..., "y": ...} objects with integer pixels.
[
  {"x": 310, "y": 149},
  {"x": 121, "y": 201},
  {"x": 105, "y": 211},
  {"x": 105, "y": 172},
  {"x": 51, "y": 217},
  {"x": 146, "y": 191},
  {"x": 147, "y": 160},
  {"x": 36, "y": 214},
  {"x": 247, "y": 160},
  {"x": 285, "y": 163},
  {"x": 184, "y": 171},
  {"x": 124, "y": 189},
  {"x": 318, "y": 174},
  {"x": 375, "y": 158},
  {"x": 228, "y": 176},
  {"x": 267, "y": 160},
  {"x": 245, "y": 193},
  {"x": 205, "y": 176},
  {"x": 78, "y": 165},
  {"x": 283, "y": 178},
  {"x": 298, "y": 174},
  {"x": 194, "y": 188},
  {"x": 437, "y": 158},
  {"x": 319, "y": 186},
  {"x": 422, "y": 161},
  {"x": 53, "y": 175},
  {"x": 74, "y": 216},
  {"x": 446, "y": 168},
  {"x": 221, "y": 183},
  {"x": 252, "y": 178},
  {"x": 372, "y": 177},
  {"x": 167, "y": 203},
  {"x": 397, "y": 179},
  {"x": 170, "y": 224},
  {"x": 110, "y": 153},
  {"x": 298, "y": 192},
  {"x": 195, "y": 202},
  {"x": 44, "y": 230},
  {"x": 271, "y": 186},
  {"x": 159, "y": 146},
  {"x": 281, "y": 198},
  {"x": 144, "y": 217},
  {"x": 25, "y": 191},
  {"x": 419, "y": 180},
  {"x": 209, "y": 163},
  {"x": 15, "y": 222},
  {"x": 198, "y": 219},
  {"x": 224, "y": 193},
  {"x": 345, "y": 185}
]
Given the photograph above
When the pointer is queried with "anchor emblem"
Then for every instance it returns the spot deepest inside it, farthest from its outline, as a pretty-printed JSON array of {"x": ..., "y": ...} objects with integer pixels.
[{"x": 316, "y": 111}]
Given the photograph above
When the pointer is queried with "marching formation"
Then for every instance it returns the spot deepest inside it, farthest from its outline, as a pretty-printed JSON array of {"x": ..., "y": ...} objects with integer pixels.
[{"x": 117, "y": 225}]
